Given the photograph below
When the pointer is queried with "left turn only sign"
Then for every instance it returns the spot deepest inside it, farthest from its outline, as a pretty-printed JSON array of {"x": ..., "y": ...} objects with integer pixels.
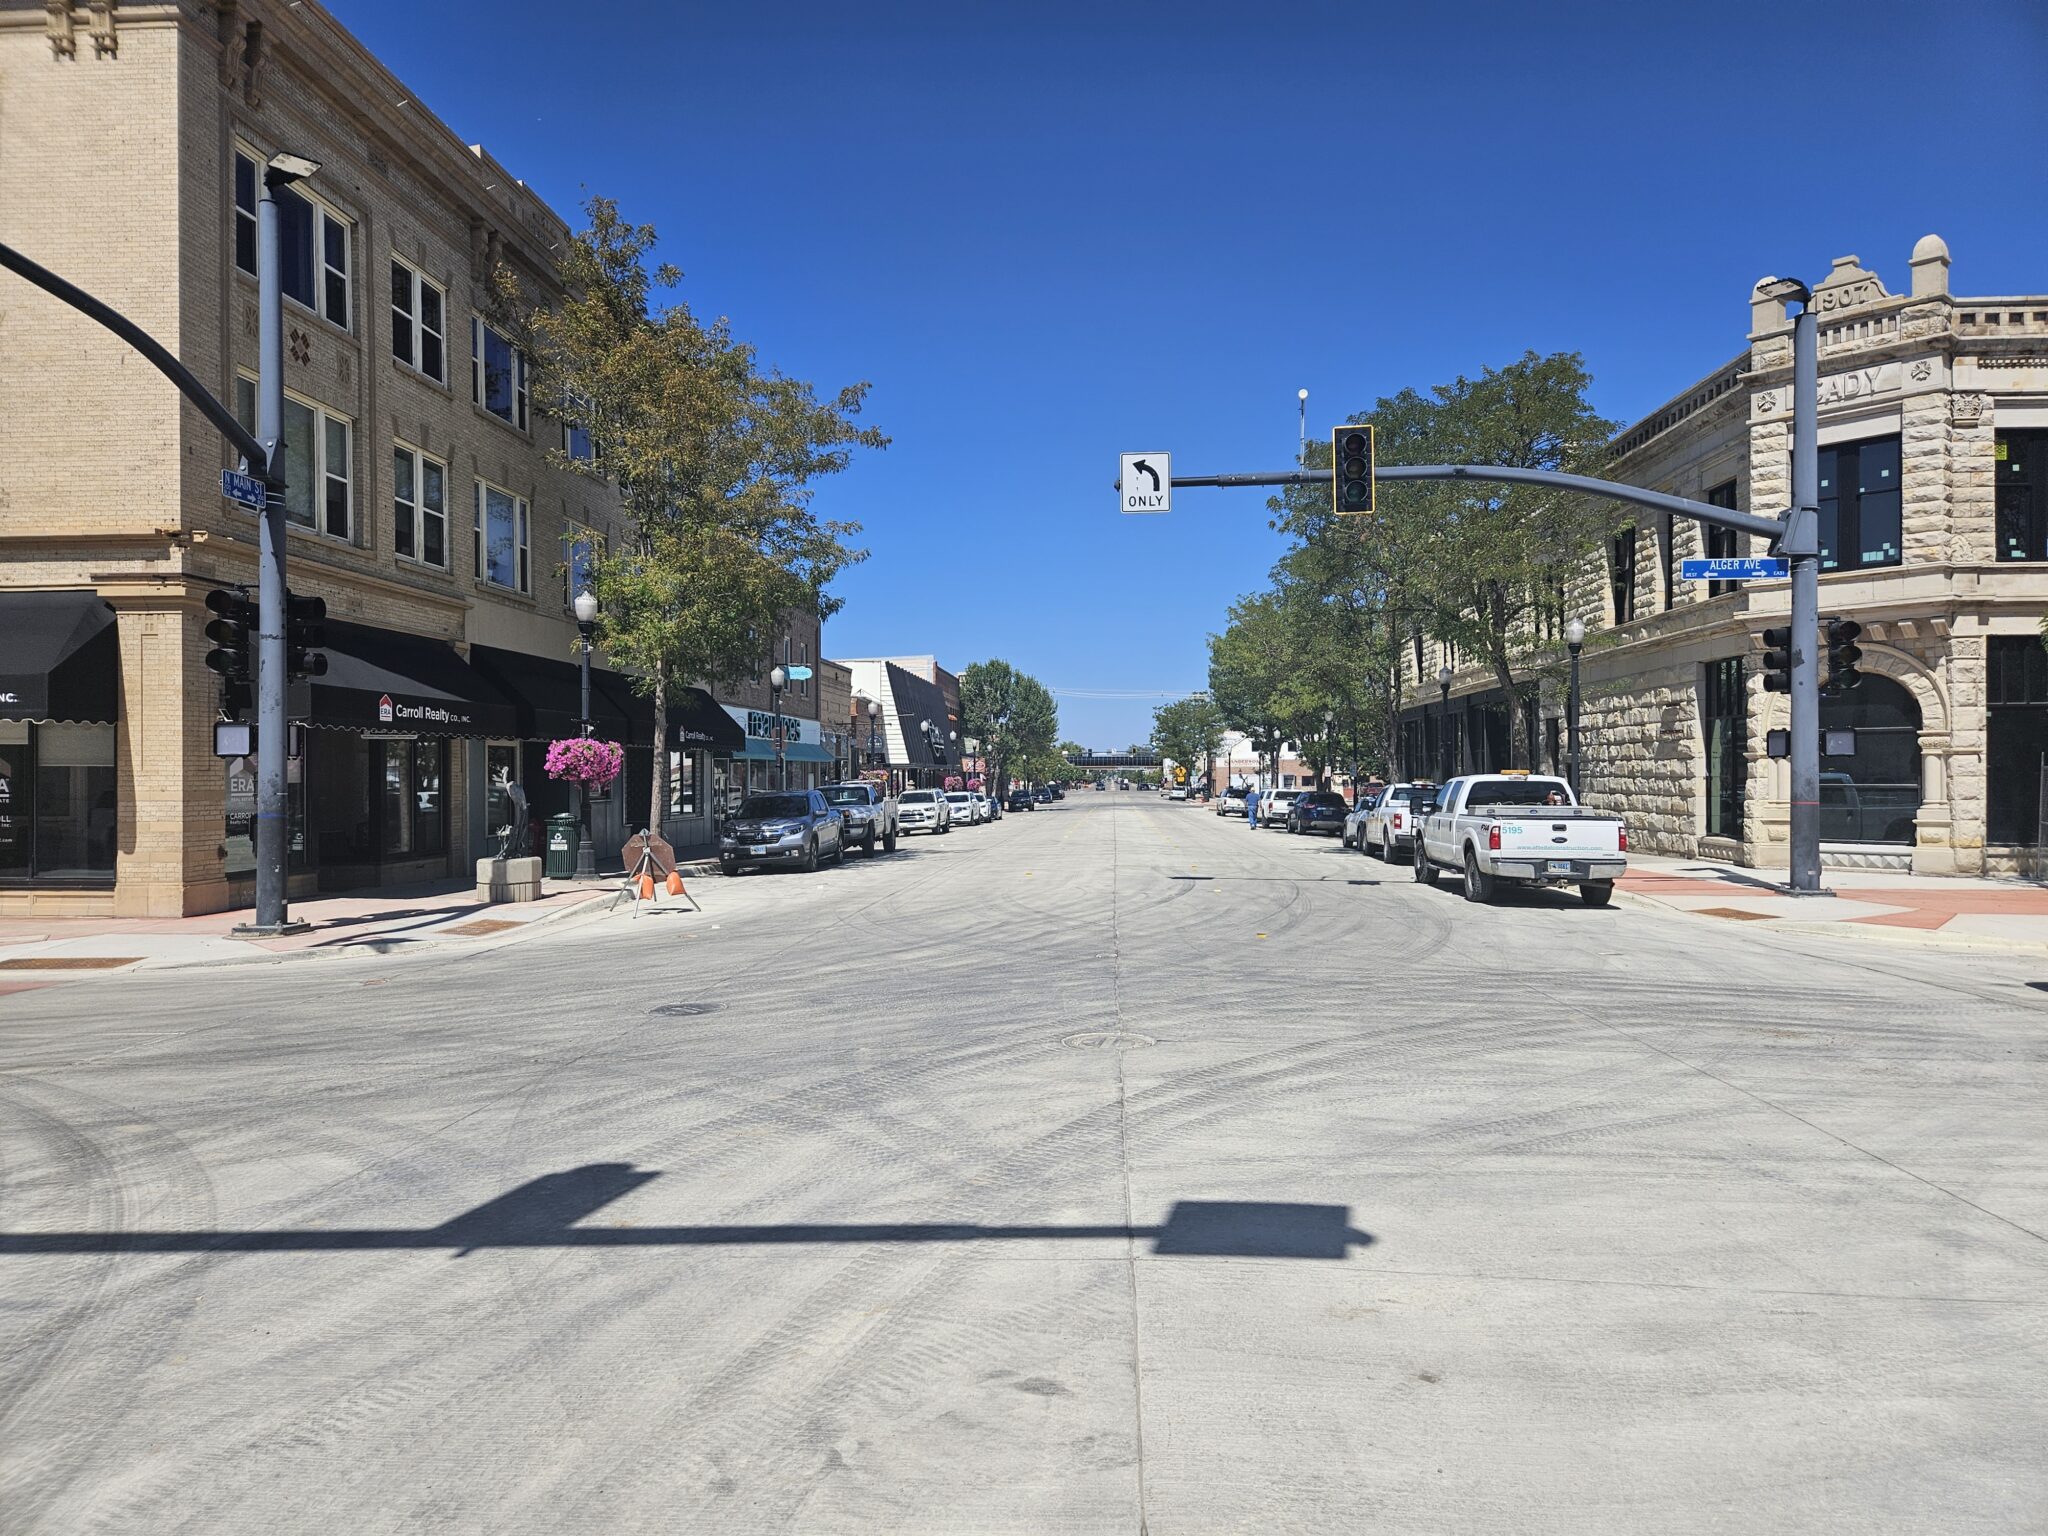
[{"x": 1145, "y": 482}]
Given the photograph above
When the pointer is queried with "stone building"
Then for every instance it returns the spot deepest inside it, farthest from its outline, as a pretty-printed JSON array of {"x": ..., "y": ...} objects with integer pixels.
[
  {"x": 1934, "y": 527},
  {"x": 424, "y": 507}
]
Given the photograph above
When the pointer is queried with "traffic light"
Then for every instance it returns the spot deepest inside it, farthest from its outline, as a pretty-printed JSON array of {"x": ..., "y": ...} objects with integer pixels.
[
  {"x": 233, "y": 632},
  {"x": 304, "y": 635},
  {"x": 1778, "y": 660},
  {"x": 1843, "y": 654},
  {"x": 1351, "y": 466}
]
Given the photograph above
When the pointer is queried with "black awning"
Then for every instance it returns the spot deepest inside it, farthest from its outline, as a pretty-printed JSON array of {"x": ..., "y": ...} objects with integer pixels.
[
  {"x": 60, "y": 658},
  {"x": 917, "y": 700},
  {"x": 634, "y": 708},
  {"x": 382, "y": 680},
  {"x": 547, "y": 693},
  {"x": 696, "y": 721}
]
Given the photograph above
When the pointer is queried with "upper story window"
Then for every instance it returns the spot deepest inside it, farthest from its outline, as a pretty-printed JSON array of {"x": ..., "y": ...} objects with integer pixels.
[
  {"x": 501, "y": 538},
  {"x": 318, "y": 461},
  {"x": 2021, "y": 459},
  {"x": 497, "y": 373},
  {"x": 419, "y": 322},
  {"x": 579, "y": 547},
  {"x": 312, "y": 242},
  {"x": 1859, "y": 505},
  {"x": 419, "y": 506},
  {"x": 1621, "y": 574},
  {"x": 1667, "y": 549},
  {"x": 245, "y": 213},
  {"x": 1721, "y": 542}
]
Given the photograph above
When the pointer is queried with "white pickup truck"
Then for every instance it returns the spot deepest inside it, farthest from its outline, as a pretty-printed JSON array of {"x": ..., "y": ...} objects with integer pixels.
[{"x": 1522, "y": 828}]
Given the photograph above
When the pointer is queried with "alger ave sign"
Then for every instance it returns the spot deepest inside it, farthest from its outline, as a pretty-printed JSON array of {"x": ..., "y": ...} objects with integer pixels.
[{"x": 1145, "y": 482}]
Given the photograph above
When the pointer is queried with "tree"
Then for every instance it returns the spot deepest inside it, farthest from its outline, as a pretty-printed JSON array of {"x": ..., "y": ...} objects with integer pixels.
[
  {"x": 714, "y": 457},
  {"x": 1484, "y": 566},
  {"x": 1011, "y": 714},
  {"x": 1188, "y": 731}
]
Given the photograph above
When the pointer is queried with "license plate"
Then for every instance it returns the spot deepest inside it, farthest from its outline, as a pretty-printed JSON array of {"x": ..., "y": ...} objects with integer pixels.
[
  {"x": 1560, "y": 866},
  {"x": 758, "y": 849}
]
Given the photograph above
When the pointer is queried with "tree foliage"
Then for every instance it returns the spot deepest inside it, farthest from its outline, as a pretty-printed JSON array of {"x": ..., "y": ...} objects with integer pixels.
[
  {"x": 1188, "y": 731},
  {"x": 1013, "y": 717},
  {"x": 715, "y": 457}
]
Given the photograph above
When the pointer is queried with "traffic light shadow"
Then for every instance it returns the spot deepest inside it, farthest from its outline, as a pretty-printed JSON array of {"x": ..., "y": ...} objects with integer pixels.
[
  {"x": 1275, "y": 880},
  {"x": 544, "y": 1214}
]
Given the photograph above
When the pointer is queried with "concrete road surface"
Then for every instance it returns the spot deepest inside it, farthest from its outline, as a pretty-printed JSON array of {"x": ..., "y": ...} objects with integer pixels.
[{"x": 1113, "y": 1168}]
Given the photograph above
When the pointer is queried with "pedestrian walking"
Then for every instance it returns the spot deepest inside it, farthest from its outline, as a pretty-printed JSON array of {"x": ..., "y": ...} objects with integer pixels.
[{"x": 1251, "y": 807}]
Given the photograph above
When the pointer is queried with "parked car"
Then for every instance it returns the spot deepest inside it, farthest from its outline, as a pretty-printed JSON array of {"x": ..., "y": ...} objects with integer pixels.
[
  {"x": 991, "y": 807},
  {"x": 1045, "y": 796},
  {"x": 869, "y": 812},
  {"x": 1367, "y": 796},
  {"x": 924, "y": 810},
  {"x": 1521, "y": 829},
  {"x": 1319, "y": 810},
  {"x": 965, "y": 811},
  {"x": 1230, "y": 802},
  {"x": 1274, "y": 805},
  {"x": 1178, "y": 792},
  {"x": 791, "y": 827},
  {"x": 1389, "y": 827},
  {"x": 1020, "y": 799},
  {"x": 1059, "y": 791}
]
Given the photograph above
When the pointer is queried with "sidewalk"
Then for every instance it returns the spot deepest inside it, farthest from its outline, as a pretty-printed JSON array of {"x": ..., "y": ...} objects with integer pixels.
[
  {"x": 1865, "y": 901},
  {"x": 37, "y": 951}
]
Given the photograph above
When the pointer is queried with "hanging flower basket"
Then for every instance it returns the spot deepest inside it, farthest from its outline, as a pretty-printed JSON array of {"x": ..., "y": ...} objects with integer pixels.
[{"x": 586, "y": 761}]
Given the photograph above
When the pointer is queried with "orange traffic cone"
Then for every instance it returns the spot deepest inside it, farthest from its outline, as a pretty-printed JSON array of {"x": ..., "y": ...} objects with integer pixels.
[
  {"x": 647, "y": 887},
  {"x": 675, "y": 883}
]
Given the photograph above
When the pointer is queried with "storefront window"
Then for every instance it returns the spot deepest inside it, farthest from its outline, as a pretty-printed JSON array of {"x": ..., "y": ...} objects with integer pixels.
[
  {"x": 684, "y": 777},
  {"x": 59, "y": 813},
  {"x": 1726, "y": 718},
  {"x": 397, "y": 790},
  {"x": 430, "y": 807},
  {"x": 2016, "y": 731},
  {"x": 240, "y": 841},
  {"x": 1872, "y": 793}
]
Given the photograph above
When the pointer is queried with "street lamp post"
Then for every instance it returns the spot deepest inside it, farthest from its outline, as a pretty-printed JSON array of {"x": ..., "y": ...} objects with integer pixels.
[
  {"x": 1574, "y": 642},
  {"x": 778, "y": 678},
  {"x": 931, "y": 746},
  {"x": 1329, "y": 746},
  {"x": 1443, "y": 684},
  {"x": 874, "y": 715},
  {"x": 585, "y": 606}
]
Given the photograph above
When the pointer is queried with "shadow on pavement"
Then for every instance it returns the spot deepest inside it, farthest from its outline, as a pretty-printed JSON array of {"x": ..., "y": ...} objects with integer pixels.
[{"x": 544, "y": 1213}]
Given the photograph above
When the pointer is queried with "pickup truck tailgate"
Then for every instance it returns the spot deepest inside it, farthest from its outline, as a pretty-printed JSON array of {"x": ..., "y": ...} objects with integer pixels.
[{"x": 1568, "y": 837}]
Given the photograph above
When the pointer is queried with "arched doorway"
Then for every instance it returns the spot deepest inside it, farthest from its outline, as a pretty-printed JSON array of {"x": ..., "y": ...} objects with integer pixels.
[{"x": 1870, "y": 793}]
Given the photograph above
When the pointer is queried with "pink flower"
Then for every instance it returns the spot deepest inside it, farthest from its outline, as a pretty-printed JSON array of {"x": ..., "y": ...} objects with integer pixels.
[{"x": 585, "y": 760}]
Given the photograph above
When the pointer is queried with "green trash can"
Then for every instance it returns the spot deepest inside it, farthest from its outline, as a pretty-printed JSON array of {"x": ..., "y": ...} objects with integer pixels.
[{"x": 564, "y": 833}]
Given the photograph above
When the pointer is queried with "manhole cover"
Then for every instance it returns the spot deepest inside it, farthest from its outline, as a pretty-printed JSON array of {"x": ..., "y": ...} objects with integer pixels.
[
  {"x": 1108, "y": 1040},
  {"x": 68, "y": 962},
  {"x": 1735, "y": 913},
  {"x": 685, "y": 1010}
]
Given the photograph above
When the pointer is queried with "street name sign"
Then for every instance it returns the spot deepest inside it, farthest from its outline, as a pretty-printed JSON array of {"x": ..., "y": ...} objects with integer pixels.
[
  {"x": 1748, "y": 568},
  {"x": 1145, "y": 482},
  {"x": 243, "y": 490},
  {"x": 799, "y": 674}
]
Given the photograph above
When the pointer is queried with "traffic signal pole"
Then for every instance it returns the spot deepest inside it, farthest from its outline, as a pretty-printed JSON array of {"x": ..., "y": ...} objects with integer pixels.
[
  {"x": 273, "y": 805},
  {"x": 1800, "y": 544}
]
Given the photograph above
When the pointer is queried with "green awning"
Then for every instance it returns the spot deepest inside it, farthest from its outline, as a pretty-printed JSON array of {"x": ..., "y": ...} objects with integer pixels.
[{"x": 759, "y": 751}]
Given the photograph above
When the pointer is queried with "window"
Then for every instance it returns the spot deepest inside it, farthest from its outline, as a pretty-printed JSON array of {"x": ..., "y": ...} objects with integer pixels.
[
  {"x": 419, "y": 322},
  {"x": 501, "y": 551},
  {"x": 317, "y": 462},
  {"x": 1872, "y": 794},
  {"x": 1621, "y": 574},
  {"x": 2021, "y": 461},
  {"x": 2016, "y": 737},
  {"x": 577, "y": 560},
  {"x": 1859, "y": 505},
  {"x": 58, "y": 813},
  {"x": 312, "y": 249},
  {"x": 497, "y": 374},
  {"x": 684, "y": 774},
  {"x": 1721, "y": 542},
  {"x": 576, "y": 443},
  {"x": 419, "y": 506},
  {"x": 245, "y": 212},
  {"x": 1725, "y": 716}
]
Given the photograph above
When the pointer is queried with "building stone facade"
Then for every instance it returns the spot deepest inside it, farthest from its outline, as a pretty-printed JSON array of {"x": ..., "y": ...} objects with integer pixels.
[{"x": 1934, "y": 447}]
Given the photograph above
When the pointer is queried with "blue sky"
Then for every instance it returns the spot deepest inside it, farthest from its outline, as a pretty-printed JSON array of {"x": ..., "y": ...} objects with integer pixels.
[{"x": 1048, "y": 233}]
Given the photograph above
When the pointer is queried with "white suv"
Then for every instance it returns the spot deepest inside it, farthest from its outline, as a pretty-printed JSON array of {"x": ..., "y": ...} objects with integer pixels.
[
  {"x": 964, "y": 810},
  {"x": 923, "y": 810}
]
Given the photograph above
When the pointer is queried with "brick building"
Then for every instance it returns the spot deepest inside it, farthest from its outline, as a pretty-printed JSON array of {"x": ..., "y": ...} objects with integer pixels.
[
  {"x": 1934, "y": 523},
  {"x": 424, "y": 506}
]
